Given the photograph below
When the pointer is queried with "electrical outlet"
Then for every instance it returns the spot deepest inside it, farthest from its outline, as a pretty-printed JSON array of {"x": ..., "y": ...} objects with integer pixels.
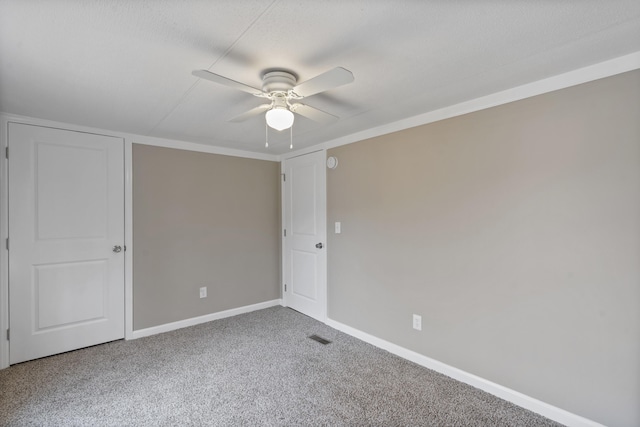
[
  {"x": 203, "y": 292},
  {"x": 417, "y": 322},
  {"x": 338, "y": 227}
]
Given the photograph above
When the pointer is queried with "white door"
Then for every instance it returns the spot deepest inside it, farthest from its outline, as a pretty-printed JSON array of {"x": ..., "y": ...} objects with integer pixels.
[
  {"x": 66, "y": 223},
  {"x": 305, "y": 259}
]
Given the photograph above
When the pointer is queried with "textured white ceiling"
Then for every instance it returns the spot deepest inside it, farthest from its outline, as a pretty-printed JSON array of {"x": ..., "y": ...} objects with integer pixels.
[{"x": 126, "y": 65}]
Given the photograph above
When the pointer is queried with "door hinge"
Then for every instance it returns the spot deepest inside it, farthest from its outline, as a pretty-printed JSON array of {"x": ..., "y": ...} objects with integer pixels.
[
  {"x": 7, "y": 334},
  {"x": 125, "y": 248},
  {"x": 7, "y": 244},
  {"x": 285, "y": 232},
  {"x": 6, "y": 152},
  {"x": 284, "y": 177},
  {"x": 285, "y": 287}
]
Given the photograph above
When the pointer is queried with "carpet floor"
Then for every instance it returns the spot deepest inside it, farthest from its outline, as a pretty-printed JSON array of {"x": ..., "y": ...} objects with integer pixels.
[{"x": 254, "y": 369}]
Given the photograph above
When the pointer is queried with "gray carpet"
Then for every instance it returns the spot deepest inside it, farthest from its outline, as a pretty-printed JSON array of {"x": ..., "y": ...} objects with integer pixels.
[{"x": 254, "y": 369}]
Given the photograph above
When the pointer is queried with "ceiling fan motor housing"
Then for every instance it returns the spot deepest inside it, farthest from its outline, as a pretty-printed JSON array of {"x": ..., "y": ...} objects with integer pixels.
[{"x": 278, "y": 81}]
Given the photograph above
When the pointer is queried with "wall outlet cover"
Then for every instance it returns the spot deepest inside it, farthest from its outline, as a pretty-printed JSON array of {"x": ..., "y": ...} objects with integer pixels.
[{"x": 417, "y": 322}]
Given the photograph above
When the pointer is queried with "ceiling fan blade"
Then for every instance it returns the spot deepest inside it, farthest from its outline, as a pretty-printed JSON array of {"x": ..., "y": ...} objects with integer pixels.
[
  {"x": 313, "y": 113},
  {"x": 251, "y": 113},
  {"x": 333, "y": 78},
  {"x": 216, "y": 78}
]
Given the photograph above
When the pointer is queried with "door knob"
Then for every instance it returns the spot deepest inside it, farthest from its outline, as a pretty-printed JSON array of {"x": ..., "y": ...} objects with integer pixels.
[
  {"x": 319, "y": 245},
  {"x": 117, "y": 248}
]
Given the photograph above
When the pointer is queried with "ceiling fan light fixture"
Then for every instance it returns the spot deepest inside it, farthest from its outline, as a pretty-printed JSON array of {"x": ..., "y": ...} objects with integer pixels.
[{"x": 279, "y": 118}]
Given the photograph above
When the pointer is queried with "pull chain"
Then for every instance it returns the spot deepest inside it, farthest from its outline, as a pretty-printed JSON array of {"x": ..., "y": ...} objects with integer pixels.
[
  {"x": 266, "y": 135},
  {"x": 291, "y": 136}
]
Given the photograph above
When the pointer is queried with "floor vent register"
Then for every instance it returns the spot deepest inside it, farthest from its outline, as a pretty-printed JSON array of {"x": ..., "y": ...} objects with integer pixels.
[{"x": 320, "y": 339}]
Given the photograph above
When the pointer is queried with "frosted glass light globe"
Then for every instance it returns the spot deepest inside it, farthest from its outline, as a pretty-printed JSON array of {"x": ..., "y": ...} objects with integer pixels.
[{"x": 279, "y": 118}]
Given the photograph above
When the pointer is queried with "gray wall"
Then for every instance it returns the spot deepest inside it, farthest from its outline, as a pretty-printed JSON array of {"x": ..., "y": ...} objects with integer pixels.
[
  {"x": 202, "y": 220},
  {"x": 515, "y": 233}
]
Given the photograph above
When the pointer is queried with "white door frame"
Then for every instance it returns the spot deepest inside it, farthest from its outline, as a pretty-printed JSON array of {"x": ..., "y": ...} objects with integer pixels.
[
  {"x": 5, "y": 119},
  {"x": 4, "y": 253},
  {"x": 283, "y": 245},
  {"x": 128, "y": 239}
]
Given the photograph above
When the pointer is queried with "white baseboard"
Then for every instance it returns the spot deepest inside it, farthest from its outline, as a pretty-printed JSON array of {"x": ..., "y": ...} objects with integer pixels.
[
  {"x": 202, "y": 319},
  {"x": 524, "y": 401}
]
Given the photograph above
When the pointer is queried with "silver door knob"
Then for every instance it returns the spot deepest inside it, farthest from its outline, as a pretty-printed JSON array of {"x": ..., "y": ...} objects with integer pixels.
[
  {"x": 319, "y": 245},
  {"x": 117, "y": 248}
]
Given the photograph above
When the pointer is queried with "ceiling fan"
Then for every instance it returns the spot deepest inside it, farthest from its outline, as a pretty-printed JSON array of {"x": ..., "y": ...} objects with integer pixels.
[{"x": 282, "y": 91}]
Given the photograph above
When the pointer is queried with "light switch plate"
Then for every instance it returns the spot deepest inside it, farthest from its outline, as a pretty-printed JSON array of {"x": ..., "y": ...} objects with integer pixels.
[{"x": 337, "y": 227}]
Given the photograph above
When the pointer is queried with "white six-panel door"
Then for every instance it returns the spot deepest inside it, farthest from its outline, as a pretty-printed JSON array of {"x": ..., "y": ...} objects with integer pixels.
[
  {"x": 305, "y": 257},
  {"x": 66, "y": 240}
]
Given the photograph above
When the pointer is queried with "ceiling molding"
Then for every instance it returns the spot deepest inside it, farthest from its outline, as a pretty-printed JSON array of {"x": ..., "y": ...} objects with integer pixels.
[
  {"x": 141, "y": 139},
  {"x": 572, "y": 78}
]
